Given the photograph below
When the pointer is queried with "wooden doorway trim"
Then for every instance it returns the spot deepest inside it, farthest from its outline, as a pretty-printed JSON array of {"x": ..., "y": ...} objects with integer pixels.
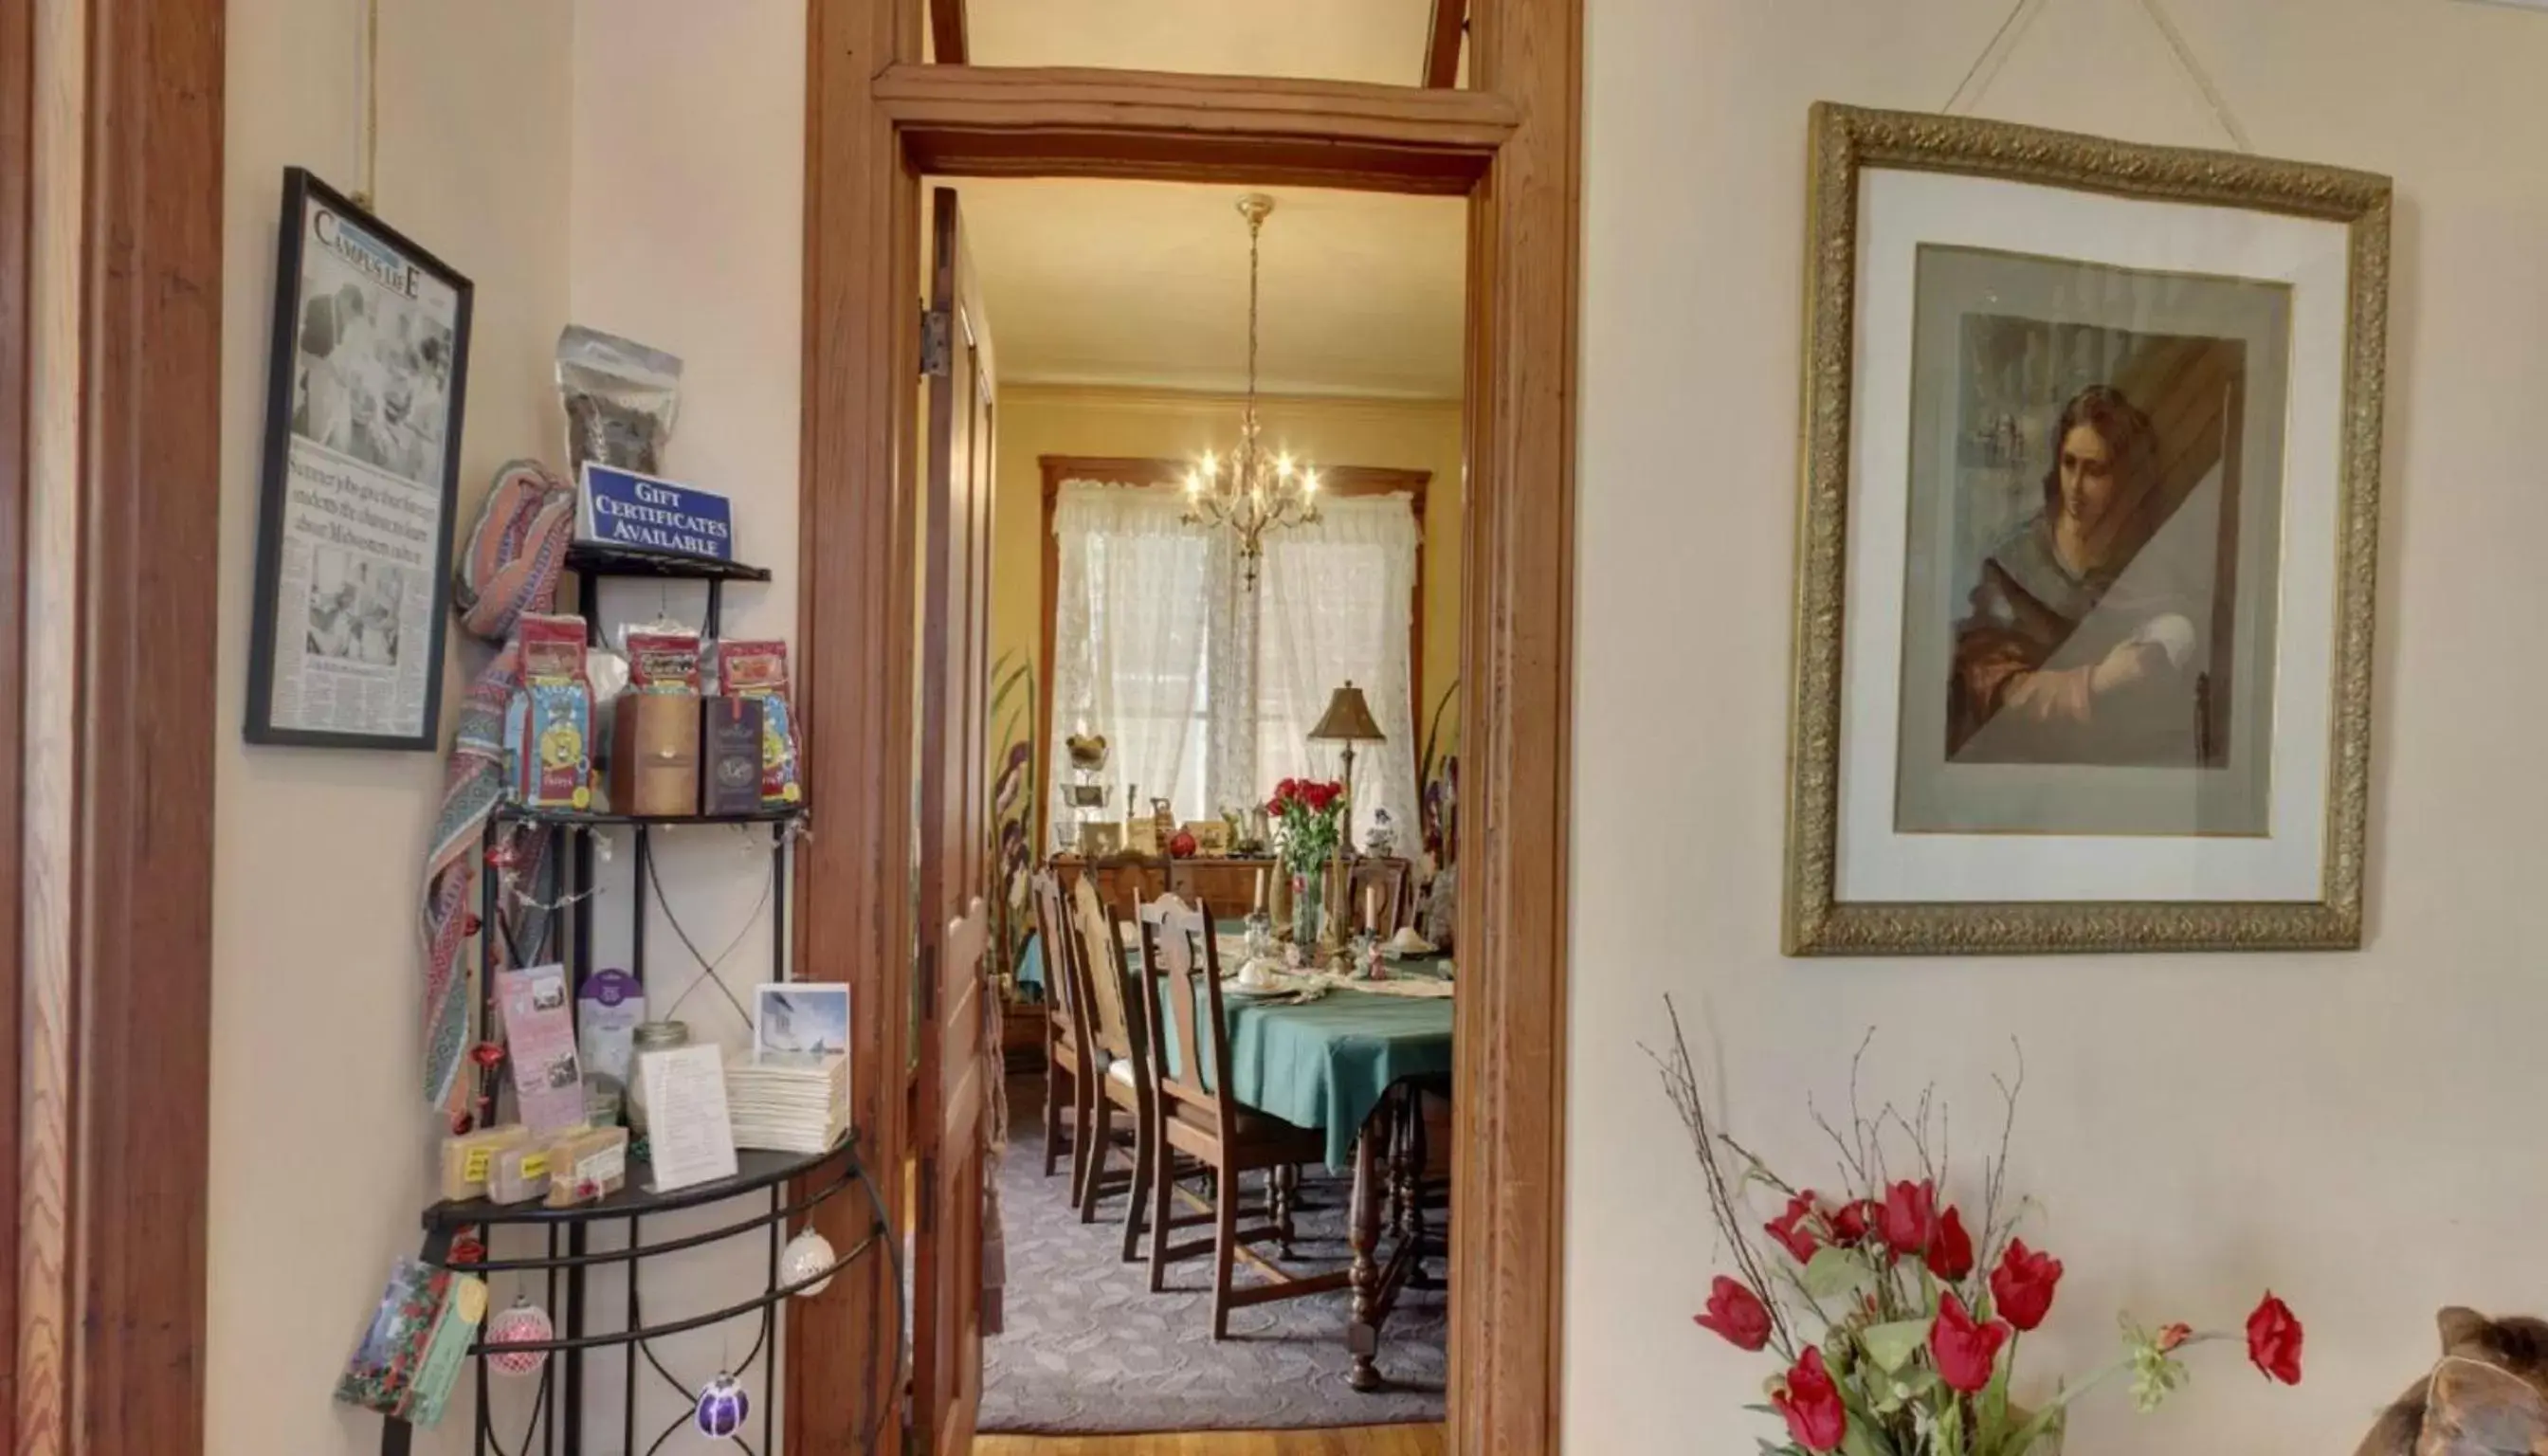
[
  {"x": 110, "y": 490},
  {"x": 1340, "y": 482},
  {"x": 876, "y": 118}
]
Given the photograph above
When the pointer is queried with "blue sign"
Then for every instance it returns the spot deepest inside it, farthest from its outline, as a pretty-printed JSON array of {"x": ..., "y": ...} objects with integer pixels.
[{"x": 620, "y": 507}]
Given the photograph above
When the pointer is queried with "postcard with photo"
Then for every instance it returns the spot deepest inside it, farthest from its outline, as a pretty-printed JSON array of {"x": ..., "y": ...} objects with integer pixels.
[{"x": 801, "y": 1017}]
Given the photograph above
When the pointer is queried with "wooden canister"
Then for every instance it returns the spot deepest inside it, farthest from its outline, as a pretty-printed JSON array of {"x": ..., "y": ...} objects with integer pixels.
[{"x": 655, "y": 753}]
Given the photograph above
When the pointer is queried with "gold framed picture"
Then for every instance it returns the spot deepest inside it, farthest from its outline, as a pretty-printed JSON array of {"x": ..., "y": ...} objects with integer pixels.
[
  {"x": 1210, "y": 837},
  {"x": 2087, "y": 544}
]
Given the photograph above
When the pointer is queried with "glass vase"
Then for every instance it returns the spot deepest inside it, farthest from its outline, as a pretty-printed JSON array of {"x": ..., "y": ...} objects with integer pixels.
[{"x": 1309, "y": 894}]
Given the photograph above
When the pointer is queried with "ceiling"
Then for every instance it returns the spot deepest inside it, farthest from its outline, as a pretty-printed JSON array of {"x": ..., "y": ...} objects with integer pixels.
[
  {"x": 1380, "y": 41},
  {"x": 1145, "y": 284}
]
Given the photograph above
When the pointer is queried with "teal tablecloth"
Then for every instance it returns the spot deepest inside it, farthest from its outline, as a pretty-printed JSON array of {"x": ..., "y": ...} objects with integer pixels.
[
  {"x": 1324, "y": 1063},
  {"x": 1327, "y": 1064}
]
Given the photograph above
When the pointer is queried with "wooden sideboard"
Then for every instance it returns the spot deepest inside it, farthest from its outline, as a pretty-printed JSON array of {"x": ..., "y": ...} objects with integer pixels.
[{"x": 1227, "y": 885}]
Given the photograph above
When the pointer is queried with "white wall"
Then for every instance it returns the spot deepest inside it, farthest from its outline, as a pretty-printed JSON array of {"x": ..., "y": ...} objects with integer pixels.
[
  {"x": 689, "y": 181},
  {"x": 320, "y": 1138},
  {"x": 2360, "y": 1131}
]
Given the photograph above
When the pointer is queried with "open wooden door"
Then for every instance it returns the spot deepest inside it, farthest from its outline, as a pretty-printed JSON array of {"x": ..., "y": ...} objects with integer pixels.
[{"x": 955, "y": 1086}]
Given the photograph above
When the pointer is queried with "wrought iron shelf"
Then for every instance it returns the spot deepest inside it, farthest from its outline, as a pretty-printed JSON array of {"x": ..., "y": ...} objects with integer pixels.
[
  {"x": 589, "y": 819},
  {"x": 758, "y": 1171},
  {"x": 588, "y": 558}
]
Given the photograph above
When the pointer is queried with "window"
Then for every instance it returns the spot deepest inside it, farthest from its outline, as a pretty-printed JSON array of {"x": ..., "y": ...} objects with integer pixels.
[{"x": 1206, "y": 692}]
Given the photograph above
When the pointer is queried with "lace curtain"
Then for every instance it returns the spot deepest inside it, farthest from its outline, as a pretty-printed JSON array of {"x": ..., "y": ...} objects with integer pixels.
[
  {"x": 1127, "y": 643},
  {"x": 1335, "y": 603},
  {"x": 1206, "y": 691}
]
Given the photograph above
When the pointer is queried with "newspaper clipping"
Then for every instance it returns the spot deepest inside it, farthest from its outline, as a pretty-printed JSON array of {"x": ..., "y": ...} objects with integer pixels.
[{"x": 364, "y": 488}]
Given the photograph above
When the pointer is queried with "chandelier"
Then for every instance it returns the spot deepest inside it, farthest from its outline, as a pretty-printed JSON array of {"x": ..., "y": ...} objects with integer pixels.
[{"x": 1251, "y": 491}]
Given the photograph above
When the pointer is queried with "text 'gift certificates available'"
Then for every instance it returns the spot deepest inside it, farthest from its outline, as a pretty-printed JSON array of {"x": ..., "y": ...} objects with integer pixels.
[{"x": 640, "y": 512}]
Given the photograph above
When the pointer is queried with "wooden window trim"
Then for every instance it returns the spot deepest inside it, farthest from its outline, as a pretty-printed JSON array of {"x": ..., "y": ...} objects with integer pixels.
[
  {"x": 1443, "y": 38},
  {"x": 875, "y": 120},
  {"x": 1343, "y": 481}
]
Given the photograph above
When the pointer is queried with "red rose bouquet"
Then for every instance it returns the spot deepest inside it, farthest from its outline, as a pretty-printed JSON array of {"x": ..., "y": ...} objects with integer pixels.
[
  {"x": 1899, "y": 1323},
  {"x": 1309, "y": 819},
  {"x": 1308, "y": 816}
]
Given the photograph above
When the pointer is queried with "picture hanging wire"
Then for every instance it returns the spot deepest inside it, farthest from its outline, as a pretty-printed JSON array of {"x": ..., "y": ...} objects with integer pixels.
[
  {"x": 1995, "y": 53},
  {"x": 367, "y": 159}
]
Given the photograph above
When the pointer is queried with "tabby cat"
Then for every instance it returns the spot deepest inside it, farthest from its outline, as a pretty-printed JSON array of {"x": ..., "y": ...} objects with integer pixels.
[{"x": 2488, "y": 1396}]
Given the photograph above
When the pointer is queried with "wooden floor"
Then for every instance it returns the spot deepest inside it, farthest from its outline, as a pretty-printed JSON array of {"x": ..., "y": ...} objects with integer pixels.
[{"x": 1375, "y": 1440}]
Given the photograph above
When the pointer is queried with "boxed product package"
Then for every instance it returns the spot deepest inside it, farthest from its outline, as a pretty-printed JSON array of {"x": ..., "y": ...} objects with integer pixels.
[
  {"x": 759, "y": 670},
  {"x": 548, "y": 734}
]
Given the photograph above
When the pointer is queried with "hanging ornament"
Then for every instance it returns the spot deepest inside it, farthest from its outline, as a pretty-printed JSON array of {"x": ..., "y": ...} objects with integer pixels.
[
  {"x": 722, "y": 1407},
  {"x": 807, "y": 1255},
  {"x": 525, "y": 1324}
]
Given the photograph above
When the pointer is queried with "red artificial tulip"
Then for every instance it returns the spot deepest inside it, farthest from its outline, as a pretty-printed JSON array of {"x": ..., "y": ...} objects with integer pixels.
[
  {"x": 1950, "y": 1251},
  {"x": 2274, "y": 1340},
  {"x": 1966, "y": 1351},
  {"x": 1811, "y": 1404},
  {"x": 2022, "y": 1286},
  {"x": 1910, "y": 1216},
  {"x": 1737, "y": 1314},
  {"x": 1793, "y": 1229},
  {"x": 1853, "y": 1223}
]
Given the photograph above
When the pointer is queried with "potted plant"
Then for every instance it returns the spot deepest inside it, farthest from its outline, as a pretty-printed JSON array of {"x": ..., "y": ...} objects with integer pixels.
[{"x": 1896, "y": 1316}]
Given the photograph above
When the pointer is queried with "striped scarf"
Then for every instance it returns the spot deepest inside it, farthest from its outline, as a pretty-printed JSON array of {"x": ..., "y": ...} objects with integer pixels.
[{"x": 510, "y": 568}]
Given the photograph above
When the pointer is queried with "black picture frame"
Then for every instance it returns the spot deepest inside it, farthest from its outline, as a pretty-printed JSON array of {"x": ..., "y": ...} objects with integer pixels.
[{"x": 373, "y": 463}]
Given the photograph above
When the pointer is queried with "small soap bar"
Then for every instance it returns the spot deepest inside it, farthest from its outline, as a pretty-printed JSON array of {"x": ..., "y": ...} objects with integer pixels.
[
  {"x": 520, "y": 1174},
  {"x": 587, "y": 1165},
  {"x": 469, "y": 1157}
]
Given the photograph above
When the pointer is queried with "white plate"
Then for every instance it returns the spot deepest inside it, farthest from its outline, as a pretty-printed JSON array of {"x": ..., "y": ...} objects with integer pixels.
[{"x": 1233, "y": 988}]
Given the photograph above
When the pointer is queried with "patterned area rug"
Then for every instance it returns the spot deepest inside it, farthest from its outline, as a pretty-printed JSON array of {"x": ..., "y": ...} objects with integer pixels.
[{"x": 1088, "y": 1348}]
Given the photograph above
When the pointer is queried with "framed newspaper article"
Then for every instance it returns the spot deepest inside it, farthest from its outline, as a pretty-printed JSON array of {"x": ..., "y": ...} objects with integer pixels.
[{"x": 362, "y": 467}]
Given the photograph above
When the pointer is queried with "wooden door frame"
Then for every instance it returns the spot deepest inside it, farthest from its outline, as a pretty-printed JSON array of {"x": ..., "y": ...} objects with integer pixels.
[
  {"x": 877, "y": 120},
  {"x": 111, "y": 210},
  {"x": 1338, "y": 481}
]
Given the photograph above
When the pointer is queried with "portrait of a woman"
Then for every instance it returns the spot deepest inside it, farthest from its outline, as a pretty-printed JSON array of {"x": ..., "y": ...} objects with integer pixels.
[{"x": 2080, "y": 646}]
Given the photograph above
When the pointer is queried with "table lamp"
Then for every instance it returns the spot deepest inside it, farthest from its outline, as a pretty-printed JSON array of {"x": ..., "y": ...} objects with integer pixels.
[{"x": 1348, "y": 722}]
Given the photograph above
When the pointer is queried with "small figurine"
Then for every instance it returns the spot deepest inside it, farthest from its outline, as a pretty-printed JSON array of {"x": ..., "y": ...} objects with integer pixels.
[{"x": 1382, "y": 842}]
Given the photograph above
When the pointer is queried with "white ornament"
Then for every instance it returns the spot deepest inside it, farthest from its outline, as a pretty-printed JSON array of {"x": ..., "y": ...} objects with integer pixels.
[{"x": 807, "y": 1255}]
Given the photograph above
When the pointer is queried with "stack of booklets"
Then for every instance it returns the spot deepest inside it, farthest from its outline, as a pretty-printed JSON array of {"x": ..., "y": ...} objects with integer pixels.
[{"x": 789, "y": 1101}]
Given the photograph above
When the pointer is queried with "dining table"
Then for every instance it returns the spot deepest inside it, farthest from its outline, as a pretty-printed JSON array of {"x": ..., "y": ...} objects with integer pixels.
[
  {"x": 1350, "y": 1063},
  {"x": 1347, "y": 1057}
]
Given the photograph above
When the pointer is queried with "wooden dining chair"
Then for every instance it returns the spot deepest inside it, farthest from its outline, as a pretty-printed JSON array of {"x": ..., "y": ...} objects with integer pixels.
[
  {"x": 1394, "y": 879},
  {"x": 1118, "y": 1029},
  {"x": 1199, "y": 1116},
  {"x": 1066, "y": 1037}
]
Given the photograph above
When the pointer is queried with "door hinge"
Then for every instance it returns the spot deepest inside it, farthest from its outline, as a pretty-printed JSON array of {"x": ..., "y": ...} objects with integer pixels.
[{"x": 937, "y": 343}]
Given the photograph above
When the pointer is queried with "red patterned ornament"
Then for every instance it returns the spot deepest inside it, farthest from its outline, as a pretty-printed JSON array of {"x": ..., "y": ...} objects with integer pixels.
[{"x": 525, "y": 1324}]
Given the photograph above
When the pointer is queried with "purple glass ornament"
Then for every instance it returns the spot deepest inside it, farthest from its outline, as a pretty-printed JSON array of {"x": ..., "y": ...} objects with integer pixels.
[{"x": 722, "y": 1407}]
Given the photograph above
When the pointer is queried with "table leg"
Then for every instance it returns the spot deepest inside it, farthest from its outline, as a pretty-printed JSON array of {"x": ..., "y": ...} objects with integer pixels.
[
  {"x": 1362, "y": 1335},
  {"x": 1403, "y": 1171}
]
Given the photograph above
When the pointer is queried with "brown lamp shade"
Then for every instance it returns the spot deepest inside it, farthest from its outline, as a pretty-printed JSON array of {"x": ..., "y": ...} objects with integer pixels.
[{"x": 1347, "y": 719}]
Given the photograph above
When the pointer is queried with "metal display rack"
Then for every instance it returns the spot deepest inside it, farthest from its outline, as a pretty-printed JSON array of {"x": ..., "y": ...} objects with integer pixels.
[{"x": 770, "y": 1191}]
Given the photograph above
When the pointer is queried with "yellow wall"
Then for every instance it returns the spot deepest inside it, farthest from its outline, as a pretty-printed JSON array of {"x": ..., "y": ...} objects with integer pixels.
[{"x": 1037, "y": 420}]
